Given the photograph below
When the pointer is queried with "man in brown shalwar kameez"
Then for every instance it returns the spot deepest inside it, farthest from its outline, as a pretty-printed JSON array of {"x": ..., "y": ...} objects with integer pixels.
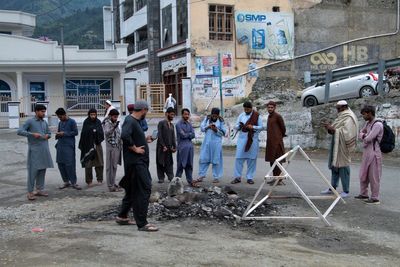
[{"x": 276, "y": 130}]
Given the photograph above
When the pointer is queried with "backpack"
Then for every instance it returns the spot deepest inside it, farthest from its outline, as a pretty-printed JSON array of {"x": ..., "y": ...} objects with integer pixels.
[{"x": 387, "y": 143}]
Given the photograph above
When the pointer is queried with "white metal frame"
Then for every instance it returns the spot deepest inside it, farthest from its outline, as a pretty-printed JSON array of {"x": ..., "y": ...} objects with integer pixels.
[{"x": 285, "y": 175}]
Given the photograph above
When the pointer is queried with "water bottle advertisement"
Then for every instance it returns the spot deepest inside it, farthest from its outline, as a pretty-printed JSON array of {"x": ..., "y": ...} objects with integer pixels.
[{"x": 267, "y": 35}]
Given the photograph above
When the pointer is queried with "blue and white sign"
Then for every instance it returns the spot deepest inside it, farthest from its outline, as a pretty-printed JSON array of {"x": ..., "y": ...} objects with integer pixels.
[{"x": 265, "y": 35}]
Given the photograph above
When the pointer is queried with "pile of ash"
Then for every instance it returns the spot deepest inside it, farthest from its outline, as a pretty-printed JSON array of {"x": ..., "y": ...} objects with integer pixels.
[{"x": 213, "y": 203}]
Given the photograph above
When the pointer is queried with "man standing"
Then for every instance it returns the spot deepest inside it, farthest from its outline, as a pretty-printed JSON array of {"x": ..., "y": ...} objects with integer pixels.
[
  {"x": 39, "y": 159},
  {"x": 371, "y": 165},
  {"x": 65, "y": 147},
  {"x": 112, "y": 135},
  {"x": 184, "y": 157},
  {"x": 108, "y": 105},
  {"x": 213, "y": 126},
  {"x": 276, "y": 130},
  {"x": 91, "y": 150},
  {"x": 143, "y": 123},
  {"x": 249, "y": 124},
  {"x": 344, "y": 135},
  {"x": 166, "y": 146},
  {"x": 138, "y": 178}
]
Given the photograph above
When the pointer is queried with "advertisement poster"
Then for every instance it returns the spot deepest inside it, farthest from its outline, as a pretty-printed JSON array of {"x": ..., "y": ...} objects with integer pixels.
[
  {"x": 267, "y": 35},
  {"x": 206, "y": 66},
  {"x": 227, "y": 60}
]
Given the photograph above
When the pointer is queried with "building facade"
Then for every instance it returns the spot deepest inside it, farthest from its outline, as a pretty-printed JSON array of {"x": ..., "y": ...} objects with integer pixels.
[
  {"x": 169, "y": 40},
  {"x": 31, "y": 70}
]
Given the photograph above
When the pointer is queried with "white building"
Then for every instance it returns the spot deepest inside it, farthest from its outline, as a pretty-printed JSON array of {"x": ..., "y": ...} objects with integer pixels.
[{"x": 31, "y": 70}]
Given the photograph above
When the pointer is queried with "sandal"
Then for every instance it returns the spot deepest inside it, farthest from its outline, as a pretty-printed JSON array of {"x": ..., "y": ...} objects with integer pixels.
[
  {"x": 199, "y": 180},
  {"x": 250, "y": 181},
  {"x": 31, "y": 196},
  {"x": 64, "y": 186},
  {"x": 125, "y": 221},
  {"x": 215, "y": 181},
  {"x": 77, "y": 187},
  {"x": 41, "y": 194},
  {"x": 236, "y": 180},
  {"x": 194, "y": 184},
  {"x": 148, "y": 228}
]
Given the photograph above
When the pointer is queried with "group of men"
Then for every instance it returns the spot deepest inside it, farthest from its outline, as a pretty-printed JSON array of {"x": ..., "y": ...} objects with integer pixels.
[
  {"x": 248, "y": 126},
  {"x": 133, "y": 143}
]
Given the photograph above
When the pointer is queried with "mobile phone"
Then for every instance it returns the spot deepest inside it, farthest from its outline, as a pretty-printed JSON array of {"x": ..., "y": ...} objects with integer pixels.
[{"x": 154, "y": 135}]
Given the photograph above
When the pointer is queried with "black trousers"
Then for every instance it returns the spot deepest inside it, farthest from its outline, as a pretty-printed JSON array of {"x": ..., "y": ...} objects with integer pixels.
[
  {"x": 276, "y": 171},
  {"x": 137, "y": 194},
  {"x": 167, "y": 169}
]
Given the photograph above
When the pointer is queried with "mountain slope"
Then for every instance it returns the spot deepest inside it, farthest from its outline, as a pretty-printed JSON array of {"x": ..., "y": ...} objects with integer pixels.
[{"x": 82, "y": 19}]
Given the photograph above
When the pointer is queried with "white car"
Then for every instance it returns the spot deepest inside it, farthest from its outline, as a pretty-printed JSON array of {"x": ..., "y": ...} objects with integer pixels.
[{"x": 363, "y": 85}]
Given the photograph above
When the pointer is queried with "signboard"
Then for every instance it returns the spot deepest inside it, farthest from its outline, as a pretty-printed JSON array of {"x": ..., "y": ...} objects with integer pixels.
[
  {"x": 268, "y": 35},
  {"x": 130, "y": 91}
]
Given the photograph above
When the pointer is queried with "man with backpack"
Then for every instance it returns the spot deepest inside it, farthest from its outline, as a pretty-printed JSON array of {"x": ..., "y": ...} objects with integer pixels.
[{"x": 371, "y": 166}]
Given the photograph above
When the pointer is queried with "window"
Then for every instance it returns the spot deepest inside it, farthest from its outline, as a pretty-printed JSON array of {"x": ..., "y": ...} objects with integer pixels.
[
  {"x": 276, "y": 9},
  {"x": 37, "y": 91},
  {"x": 220, "y": 22},
  {"x": 5, "y": 95},
  {"x": 140, "y": 4},
  {"x": 128, "y": 9}
]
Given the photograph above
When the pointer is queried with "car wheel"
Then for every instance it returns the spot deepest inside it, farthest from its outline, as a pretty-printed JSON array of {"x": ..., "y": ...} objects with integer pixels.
[
  {"x": 366, "y": 91},
  {"x": 310, "y": 101},
  {"x": 386, "y": 87}
]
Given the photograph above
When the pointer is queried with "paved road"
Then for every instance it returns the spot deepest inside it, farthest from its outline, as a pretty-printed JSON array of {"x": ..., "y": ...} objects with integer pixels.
[{"x": 354, "y": 223}]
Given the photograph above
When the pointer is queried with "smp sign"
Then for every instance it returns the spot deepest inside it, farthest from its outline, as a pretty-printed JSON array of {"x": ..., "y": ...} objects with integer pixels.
[{"x": 242, "y": 17}]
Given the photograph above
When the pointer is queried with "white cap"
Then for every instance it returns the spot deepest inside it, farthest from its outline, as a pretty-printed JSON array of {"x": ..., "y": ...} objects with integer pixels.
[
  {"x": 341, "y": 103},
  {"x": 109, "y": 102}
]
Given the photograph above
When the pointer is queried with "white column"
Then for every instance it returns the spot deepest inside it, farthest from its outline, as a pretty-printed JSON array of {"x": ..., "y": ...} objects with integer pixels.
[{"x": 20, "y": 91}]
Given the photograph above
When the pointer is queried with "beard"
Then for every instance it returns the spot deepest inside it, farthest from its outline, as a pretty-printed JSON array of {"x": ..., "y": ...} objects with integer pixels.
[
  {"x": 248, "y": 113},
  {"x": 143, "y": 117}
]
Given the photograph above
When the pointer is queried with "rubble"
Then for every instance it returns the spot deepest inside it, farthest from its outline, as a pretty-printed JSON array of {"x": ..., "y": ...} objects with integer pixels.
[
  {"x": 213, "y": 203},
  {"x": 175, "y": 187}
]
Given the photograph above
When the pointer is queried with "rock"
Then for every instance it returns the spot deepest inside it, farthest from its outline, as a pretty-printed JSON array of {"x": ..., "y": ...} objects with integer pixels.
[
  {"x": 171, "y": 203},
  {"x": 222, "y": 212},
  {"x": 228, "y": 190},
  {"x": 175, "y": 187},
  {"x": 236, "y": 110},
  {"x": 154, "y": 197},
  {"x": 206, "y": 209},
  {"x": 233, "y": 196},
  {"x": 217, "y": 190}
]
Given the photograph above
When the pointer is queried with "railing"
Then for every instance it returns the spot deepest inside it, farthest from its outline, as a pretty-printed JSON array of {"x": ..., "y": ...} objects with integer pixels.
[
  {"x": 141, "y": 45},
  {"x": 4, "y": 111},
  {"x": 156, "y": 97},
  {"x": 86, "y": 102}
]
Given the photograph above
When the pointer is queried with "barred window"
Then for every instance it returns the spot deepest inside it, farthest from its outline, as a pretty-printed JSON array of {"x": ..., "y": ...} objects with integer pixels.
[{"x": 220, "y": 22}]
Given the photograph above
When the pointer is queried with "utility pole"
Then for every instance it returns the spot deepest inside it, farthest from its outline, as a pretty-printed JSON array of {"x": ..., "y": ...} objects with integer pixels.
[
  {"x": 63, "y": 66},
  {"x": 220, "y": 84}
]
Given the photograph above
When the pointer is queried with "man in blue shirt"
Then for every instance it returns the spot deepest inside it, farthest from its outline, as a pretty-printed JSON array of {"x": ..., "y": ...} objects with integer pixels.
[{"x": 65, "y": 147}]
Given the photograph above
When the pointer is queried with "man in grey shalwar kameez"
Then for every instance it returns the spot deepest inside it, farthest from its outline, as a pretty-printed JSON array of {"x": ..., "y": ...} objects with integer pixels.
[
  {"x": 112, "y": 135},
  {"x": 39, "y": 159}
]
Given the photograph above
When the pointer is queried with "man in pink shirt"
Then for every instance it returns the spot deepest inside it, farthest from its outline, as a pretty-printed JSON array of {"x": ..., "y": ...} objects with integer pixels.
[{"x": 371, "y": 165}]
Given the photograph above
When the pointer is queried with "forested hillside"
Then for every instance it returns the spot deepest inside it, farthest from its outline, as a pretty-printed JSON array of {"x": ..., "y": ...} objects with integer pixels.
[{"x": 82, "y": 19}]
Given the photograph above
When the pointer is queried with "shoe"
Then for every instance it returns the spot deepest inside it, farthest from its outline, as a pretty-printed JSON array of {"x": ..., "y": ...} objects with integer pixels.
[
  {"x": 65, "y": 185},
  {"x": 372, "y": 201},
  {"x": 41, "y": 194},
  {"x": 250, "y": 181},
  {"x": 344, "y": 195},
  {"x": 215, "y": 181},
  {"x": 327, "y": 192},
  {"x": 361, "y": 197},
  {"x": 77, "y": 187},
  {"x": 236, "y": 180}
]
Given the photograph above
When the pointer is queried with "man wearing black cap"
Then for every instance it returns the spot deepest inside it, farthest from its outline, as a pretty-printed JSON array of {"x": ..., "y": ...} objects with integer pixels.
[{"x": 137, "y": 181}]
